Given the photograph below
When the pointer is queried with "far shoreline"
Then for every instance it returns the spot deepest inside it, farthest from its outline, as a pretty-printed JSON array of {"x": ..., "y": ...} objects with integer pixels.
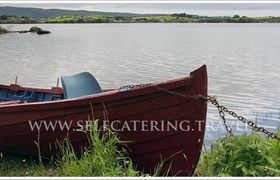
[
  {"x": 161, "y": 19},
  {"x": 3, "y": 24}
]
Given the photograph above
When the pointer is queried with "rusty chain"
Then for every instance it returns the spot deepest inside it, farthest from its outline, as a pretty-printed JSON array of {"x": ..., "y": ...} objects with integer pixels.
[
  {"x": 128, "y": 87},
  {"x": 213, "y": 100},
  {"x": 222, "y": 110}
]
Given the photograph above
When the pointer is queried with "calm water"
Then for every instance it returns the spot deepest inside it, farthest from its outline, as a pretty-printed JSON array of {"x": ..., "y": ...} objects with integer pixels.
[{"x": 242, "y": 59}]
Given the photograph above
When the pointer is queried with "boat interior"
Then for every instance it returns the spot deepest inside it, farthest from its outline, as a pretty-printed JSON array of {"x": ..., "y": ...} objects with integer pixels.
[{"x": 72, "y": 86}]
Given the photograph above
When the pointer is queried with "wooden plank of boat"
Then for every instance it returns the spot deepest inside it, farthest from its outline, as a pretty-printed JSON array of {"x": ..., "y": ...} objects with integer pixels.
[
  {"x": 9, "y": 102},
  {"x": 171, "y": 101}
]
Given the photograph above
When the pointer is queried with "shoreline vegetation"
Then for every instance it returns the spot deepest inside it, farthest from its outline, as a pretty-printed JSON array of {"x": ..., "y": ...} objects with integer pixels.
[
  {"x": 168, "y": 18},
  {"x": 164, "y": 18},
  {"x": 102, "y": 158},
  {"x": 242, "y": 155},
  {"x": 251, "y": 155}
]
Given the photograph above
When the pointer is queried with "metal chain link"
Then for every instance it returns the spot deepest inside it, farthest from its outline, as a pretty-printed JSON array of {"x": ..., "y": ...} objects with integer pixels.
[
  {"x": 129, "y": 87},
  {"x": 222, "y": 110},
  {"x": 213, "y": 100}
]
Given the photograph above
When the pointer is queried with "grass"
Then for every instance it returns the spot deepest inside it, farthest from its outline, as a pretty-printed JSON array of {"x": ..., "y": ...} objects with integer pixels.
[
  {"x": 244, "y": 155},
  {"x": 12, "y": 165},
  {"x": 102, "y": 159}
]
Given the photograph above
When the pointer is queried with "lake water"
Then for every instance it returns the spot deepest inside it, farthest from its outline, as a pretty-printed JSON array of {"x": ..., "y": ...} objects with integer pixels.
[{"x": 243, "y": 61}]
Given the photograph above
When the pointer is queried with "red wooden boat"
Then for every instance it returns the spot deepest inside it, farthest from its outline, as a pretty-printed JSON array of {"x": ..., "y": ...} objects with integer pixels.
[{"x": 175, "y": 101}]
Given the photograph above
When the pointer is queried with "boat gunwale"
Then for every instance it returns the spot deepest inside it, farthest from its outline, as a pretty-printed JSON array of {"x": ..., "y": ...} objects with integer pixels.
[
  {"x": 105, "y": 94},
  {"x": 17, "y": 87}
]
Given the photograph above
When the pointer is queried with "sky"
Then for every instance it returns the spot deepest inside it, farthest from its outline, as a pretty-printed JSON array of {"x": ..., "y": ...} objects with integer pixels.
[{"x": 209, "y": 9}]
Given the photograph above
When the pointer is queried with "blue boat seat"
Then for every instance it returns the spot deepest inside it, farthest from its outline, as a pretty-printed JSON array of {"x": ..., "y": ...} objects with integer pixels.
[
  {"x": 27, "y": 96},
  {"x": 4, "y": 94},
  {"x": 80, "y": 85}
]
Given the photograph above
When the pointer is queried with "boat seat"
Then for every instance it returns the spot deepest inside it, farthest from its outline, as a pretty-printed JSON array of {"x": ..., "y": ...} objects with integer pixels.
[
  {"x": 80, "y": 85},
  {"x": 4, "y": 94},
  {"x": 27, "y": 96}
]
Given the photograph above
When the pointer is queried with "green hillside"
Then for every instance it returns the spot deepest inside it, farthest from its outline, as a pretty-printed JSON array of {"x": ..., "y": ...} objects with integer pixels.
[{"x": 38, "y": 13}]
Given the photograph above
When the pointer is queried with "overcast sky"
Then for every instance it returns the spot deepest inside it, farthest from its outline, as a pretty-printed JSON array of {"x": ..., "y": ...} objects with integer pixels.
[{"x": 210, "y": 9}]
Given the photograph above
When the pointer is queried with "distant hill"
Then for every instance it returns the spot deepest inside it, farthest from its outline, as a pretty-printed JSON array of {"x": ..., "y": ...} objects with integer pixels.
[{"x": 38, "y": 13}]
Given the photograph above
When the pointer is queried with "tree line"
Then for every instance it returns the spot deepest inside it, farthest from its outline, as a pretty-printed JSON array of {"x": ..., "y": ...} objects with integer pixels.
[{"x": 173, "y": 18}]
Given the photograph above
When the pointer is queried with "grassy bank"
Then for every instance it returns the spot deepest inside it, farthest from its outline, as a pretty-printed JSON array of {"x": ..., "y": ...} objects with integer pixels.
[
  {"x": 244, "y": 155},
  {"x": 104, "y": 159}
]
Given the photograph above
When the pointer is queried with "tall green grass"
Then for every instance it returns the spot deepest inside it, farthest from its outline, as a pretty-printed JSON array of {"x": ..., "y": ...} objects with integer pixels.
[
  {"x": 102, "y": 158},
  {"x": 244, "y": 155}
]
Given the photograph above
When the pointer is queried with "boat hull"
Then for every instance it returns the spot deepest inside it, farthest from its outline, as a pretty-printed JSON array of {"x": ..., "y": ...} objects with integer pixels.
[{"x": 181, "y": 102}]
